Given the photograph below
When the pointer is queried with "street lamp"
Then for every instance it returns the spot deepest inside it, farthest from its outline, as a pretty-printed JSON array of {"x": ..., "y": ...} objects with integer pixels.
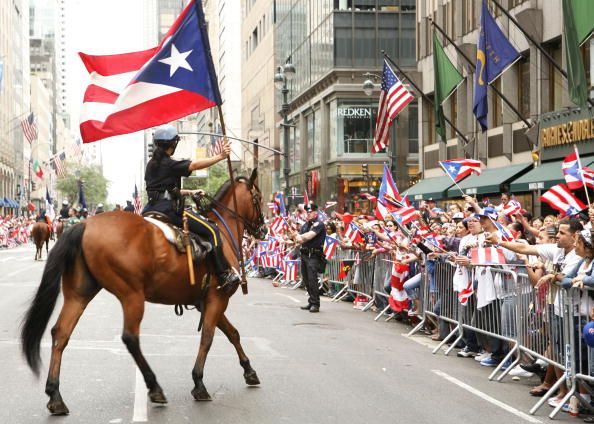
[{"x": 285, "y": 73}]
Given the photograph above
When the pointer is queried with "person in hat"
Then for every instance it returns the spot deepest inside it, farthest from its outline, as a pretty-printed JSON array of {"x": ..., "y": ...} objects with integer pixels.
[
  {"x": 99, "y": 209},
  {"x": 163, "y": 185},
  {"x": 129, "y": 207},
  {"x": 64, "y": 210},
  {"x": 311, "y": 238}
]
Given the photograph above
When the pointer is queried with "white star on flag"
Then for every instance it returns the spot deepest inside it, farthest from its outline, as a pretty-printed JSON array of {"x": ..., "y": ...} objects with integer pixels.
[
  {"x": 452, "y": 168},
  {"x": 177, "y": 60}
]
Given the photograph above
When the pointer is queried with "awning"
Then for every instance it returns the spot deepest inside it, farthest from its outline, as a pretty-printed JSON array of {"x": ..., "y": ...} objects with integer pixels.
[
  {"x": 1, "y": 202},
  {"x": 546, "y": 176},
  {"x": 490, "y": 180},
  {"x": 16, "y": 204},
  {"x": 430, "y": 188},
  {"x": 9, "y": 203}
]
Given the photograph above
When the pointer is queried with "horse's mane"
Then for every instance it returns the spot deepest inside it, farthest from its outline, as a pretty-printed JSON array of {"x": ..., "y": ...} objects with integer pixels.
[{"x": 222, "y": 191}]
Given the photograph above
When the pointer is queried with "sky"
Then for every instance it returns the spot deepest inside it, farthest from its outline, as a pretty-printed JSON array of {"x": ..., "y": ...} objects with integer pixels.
[{"x": 107, "y": 27}]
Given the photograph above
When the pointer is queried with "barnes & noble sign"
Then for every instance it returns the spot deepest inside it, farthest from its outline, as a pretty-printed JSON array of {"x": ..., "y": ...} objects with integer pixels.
[{"x": 567, "y": 133}]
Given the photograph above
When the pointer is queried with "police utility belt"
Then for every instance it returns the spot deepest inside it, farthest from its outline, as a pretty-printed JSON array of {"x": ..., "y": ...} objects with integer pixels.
[{"x": 311, "y": 251}]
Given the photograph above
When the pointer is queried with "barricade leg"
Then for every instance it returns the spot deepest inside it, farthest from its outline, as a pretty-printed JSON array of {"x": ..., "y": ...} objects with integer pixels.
[
  {"x": 455, "y": 343},
  {"x": 547, "y": 395},
  {"x": 563, "y": 402},
  {"x": 504, "y": 361},
  {"x": 341, "y": 293},
  {"x": 444, "y": 341}
]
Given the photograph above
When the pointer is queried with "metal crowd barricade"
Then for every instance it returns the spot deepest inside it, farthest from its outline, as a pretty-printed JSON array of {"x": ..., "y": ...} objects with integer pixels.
[
  {"x": 427, "y": 303},
  {"x": 361, "y": 277},
  {"x": 444, "y": 302},
  {"x": 333, "y": 270},
  {"x": 381, "y": 279}
]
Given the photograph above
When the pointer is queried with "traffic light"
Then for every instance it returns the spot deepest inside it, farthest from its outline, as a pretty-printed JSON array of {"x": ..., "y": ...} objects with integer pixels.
[
  {"x": 365, "y": 169},
  {"x": 150, "y": 148}
]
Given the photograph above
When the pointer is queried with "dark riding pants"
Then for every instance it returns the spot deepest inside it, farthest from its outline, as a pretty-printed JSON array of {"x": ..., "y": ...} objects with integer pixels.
[
  {"x": 199, "y": 226},
  {"x": 309, "y": 275}
]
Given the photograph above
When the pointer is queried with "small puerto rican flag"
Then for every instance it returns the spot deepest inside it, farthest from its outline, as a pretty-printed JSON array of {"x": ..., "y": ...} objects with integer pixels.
[
  {"x": 487, "y": 256},
  {"x": 330, "y": 245}
]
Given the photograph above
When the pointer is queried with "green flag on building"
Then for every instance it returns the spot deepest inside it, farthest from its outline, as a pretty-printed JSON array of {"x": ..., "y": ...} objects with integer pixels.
[
  {"x": 447, "y": 78},
  {"x": 576, "y": 75},
  {"x": 583, "y": 15}
]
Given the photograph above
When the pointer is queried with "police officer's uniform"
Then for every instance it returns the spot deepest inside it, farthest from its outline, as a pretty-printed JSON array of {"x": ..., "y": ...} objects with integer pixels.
[
  {"x": 312, "y": 257},
  {"x": 163, "y": 182},
  {"x": 64, "y": 211},
  {"x": 129, "y": 207}
]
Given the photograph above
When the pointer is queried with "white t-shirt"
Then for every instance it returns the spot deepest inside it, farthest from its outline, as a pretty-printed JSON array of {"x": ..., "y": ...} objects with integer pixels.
[
  {"x": 556, "y": 255},
  {"x": 582, "y": 302}
]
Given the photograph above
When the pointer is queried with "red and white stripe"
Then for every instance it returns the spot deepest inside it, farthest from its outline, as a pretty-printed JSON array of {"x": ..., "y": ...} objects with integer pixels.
[
  {"x": 406, "y": 214},
  {"x": 588, "y": 175},
  {"x": 398, "y": 298},
  {"x": 512, "y": 207},
  {"x": 559, "y": 197},
  {"x": 487, "y": 256}
]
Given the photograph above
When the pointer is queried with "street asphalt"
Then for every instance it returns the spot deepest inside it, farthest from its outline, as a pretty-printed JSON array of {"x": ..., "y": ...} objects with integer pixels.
[{"x": 338, "y": 366}]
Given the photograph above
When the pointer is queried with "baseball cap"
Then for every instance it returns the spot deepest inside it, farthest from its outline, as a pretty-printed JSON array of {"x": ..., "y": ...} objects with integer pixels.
[
  {"x": 588, "y": 333},
  {"x": 487, "y": 212},
  {"x": 458, "y": 215}
]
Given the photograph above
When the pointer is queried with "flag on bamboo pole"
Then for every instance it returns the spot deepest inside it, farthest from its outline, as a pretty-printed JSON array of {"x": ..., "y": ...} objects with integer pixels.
[
  {"x": 576, "y": 74},
  {"x": 494, "y": 54},
  {"x": 447, "y": 79}
]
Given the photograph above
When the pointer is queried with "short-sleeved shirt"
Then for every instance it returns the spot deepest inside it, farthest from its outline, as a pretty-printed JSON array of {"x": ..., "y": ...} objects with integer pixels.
[
  {"x": 167, "y": 175},
  {"x": 317, "y": 227},
  {"x": 556, "y": 255}
]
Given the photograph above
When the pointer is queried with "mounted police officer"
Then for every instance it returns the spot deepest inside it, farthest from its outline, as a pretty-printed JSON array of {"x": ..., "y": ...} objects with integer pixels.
[
  {"x": 129, "y": 207},
  {"x": 163, "y": 185},
  {"x": 64, "y": 210},
  {"x": 311, "y": 237},
  {"x": 99, "y": 209}
]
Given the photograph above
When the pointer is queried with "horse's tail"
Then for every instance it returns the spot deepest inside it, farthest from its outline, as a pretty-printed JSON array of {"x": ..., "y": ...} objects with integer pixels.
[{"x": 60, "y": 258}]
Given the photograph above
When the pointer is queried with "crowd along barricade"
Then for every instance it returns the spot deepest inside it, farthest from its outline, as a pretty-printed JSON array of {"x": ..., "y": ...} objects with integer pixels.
[
  {"x": 428, "y": 301},
  {"x": 362, "y": 282},
  {"x": 337, "y": 283}
]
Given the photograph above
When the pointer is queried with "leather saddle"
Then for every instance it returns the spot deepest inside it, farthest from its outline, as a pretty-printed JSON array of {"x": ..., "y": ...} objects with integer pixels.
[{"x": 200, "y": 248}]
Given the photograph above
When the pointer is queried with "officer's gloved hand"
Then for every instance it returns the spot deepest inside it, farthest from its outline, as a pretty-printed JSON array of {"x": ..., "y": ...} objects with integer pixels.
[{"x": 197, "y": 196}]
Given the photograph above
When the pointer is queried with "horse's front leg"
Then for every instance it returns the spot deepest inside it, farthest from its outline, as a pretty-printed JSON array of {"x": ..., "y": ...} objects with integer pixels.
[
  {"x": 214, "y": 308},
  {"x": 249, "y": 374}
]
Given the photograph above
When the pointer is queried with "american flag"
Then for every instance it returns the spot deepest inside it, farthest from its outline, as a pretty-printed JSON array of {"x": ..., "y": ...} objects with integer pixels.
[
  {"x": 487, "y": 256},
  {"x": 137, "y": 201},
  {"x": 77, "y": 150},
  {"x": 393, "y": 98},
  {"x": 216, "y": 143},
  {"x": 29, "y": 125},
  {"x": 58, "y": 161}
]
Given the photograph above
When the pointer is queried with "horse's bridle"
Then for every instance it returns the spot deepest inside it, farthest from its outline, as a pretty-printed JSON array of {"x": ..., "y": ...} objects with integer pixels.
[{"x": 257, "y": 228}]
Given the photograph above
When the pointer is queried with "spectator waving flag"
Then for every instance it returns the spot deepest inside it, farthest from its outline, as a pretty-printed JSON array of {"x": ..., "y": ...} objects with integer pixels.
[
  {"x": 137, "y": 201},
  {"x": 29, "y": 126},
  {"x": 405, "y": 215},
  {"x": 571, "y": 171},
  {"x": 330, "y": 245},
  {"x": 559, "y": 197},
  {"x": 503, "y": 232},
  {"x": 458, "y": 169},
  {"x": 393, "y": 98},
  {"x": 134, "y": 91},
  {"x": 353, "y": 233}
]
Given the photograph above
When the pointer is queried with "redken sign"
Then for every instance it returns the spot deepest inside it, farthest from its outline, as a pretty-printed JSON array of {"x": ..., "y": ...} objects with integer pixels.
[{"x": 354, "y": 112}]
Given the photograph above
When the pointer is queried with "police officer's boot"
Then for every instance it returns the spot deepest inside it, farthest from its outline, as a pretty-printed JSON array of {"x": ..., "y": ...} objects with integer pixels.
[{"x": 229, "y": 280}]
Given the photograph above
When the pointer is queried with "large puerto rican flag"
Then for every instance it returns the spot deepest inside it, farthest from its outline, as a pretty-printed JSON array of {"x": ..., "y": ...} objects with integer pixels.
[
  {"x": 133, "y": 91},
  {"x": 560, "y": 197},
  {"x": 459, "y": 169},
  {"x": 387, "y": 187}
]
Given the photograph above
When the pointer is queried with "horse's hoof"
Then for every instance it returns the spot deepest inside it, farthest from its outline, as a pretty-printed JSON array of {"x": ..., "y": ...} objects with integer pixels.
[
  {"x": 157, "y": 396},
  {"x": 57, "y": 407},
  {"x": 200, "y": 394},
  {"x": 251, "y": 378}
]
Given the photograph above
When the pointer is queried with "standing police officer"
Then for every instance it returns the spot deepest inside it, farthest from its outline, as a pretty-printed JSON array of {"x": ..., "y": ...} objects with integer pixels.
[
  {"x": 311, "y": 238},
  {"x": 163, "y": 185}
]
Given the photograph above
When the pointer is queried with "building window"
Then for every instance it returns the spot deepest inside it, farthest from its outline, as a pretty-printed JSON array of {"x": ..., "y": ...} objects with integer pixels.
[
  {"x": 468, "y": 16},
  {"x": 254, "y": 39},
  {"x": 311, "y": 140},
  {"x": 496, "y": 115},
  {"x": 524, "y": 86},
  {"x": 355, "y": 127},
  {"x": 413, "y": 128}
]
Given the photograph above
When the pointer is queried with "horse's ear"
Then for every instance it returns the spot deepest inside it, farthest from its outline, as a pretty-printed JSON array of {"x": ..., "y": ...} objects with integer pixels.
[{"x": 254, "y": 176}]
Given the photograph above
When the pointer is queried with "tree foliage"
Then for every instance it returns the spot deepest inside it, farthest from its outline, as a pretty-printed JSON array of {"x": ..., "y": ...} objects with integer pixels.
[
  {"x": 95, "y": 185},
  {"x": 217, "y": 175}
]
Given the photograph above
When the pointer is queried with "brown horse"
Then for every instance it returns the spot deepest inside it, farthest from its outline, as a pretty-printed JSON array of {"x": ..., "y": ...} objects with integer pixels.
[
  {"x": 148, "y": 269},
  {"x": 59, "y": 229},
  {"x": 41, "y": 234}
]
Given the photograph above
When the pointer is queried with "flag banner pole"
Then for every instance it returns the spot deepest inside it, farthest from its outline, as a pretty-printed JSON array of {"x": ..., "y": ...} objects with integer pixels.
[
  {"x": 577, "y": 155},
  {"x": 244, "y": 287}
]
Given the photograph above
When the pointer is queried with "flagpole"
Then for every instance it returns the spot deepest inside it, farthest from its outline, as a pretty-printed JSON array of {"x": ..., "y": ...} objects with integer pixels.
[
  {"x": 579, "y": 162},
  {"x": 472, "y": 65},
  {"x": 533, "y": 41},
  {"x": 425, "y": 97},
  {"x": 244, "y": 288}
]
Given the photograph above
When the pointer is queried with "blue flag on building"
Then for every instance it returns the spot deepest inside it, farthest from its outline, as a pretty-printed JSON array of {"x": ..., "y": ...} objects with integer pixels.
[
  {"x": 82, "y": 201},
  {"x": 494, "y": 55}
]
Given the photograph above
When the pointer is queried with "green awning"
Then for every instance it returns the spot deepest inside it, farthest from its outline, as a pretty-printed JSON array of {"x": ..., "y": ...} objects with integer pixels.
[
  {"x": 430, "y": 188},
  {"x": 490, "y": 180},
  {"x": 549, "y": 174}
]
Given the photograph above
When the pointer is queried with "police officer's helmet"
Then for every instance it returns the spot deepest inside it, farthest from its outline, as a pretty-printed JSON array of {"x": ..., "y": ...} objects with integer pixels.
[
  {"x": 100, "y": 205},
  {"x": 165, "y": 136},
  {"x": 65, "y": 202}
]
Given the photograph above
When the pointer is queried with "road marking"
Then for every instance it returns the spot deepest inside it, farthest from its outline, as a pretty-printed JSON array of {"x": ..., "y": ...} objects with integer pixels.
[
  {"x": 289, "y": 297},
  {"x": 140, "y": 401},
  {"x": 486, "y": 397}
]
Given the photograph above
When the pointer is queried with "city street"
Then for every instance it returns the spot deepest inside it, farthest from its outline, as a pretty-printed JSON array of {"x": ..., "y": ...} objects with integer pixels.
[{"x": 335, "y": 366}]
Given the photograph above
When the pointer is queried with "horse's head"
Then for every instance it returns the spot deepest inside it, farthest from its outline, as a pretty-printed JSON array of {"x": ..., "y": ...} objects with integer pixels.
[{"x": 254, "y": 219}]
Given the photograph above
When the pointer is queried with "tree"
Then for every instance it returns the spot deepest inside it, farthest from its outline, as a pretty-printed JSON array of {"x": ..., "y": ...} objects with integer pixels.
[
  {"x": 217, "y": 175},
  {"x": 95, "y": 185}
]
